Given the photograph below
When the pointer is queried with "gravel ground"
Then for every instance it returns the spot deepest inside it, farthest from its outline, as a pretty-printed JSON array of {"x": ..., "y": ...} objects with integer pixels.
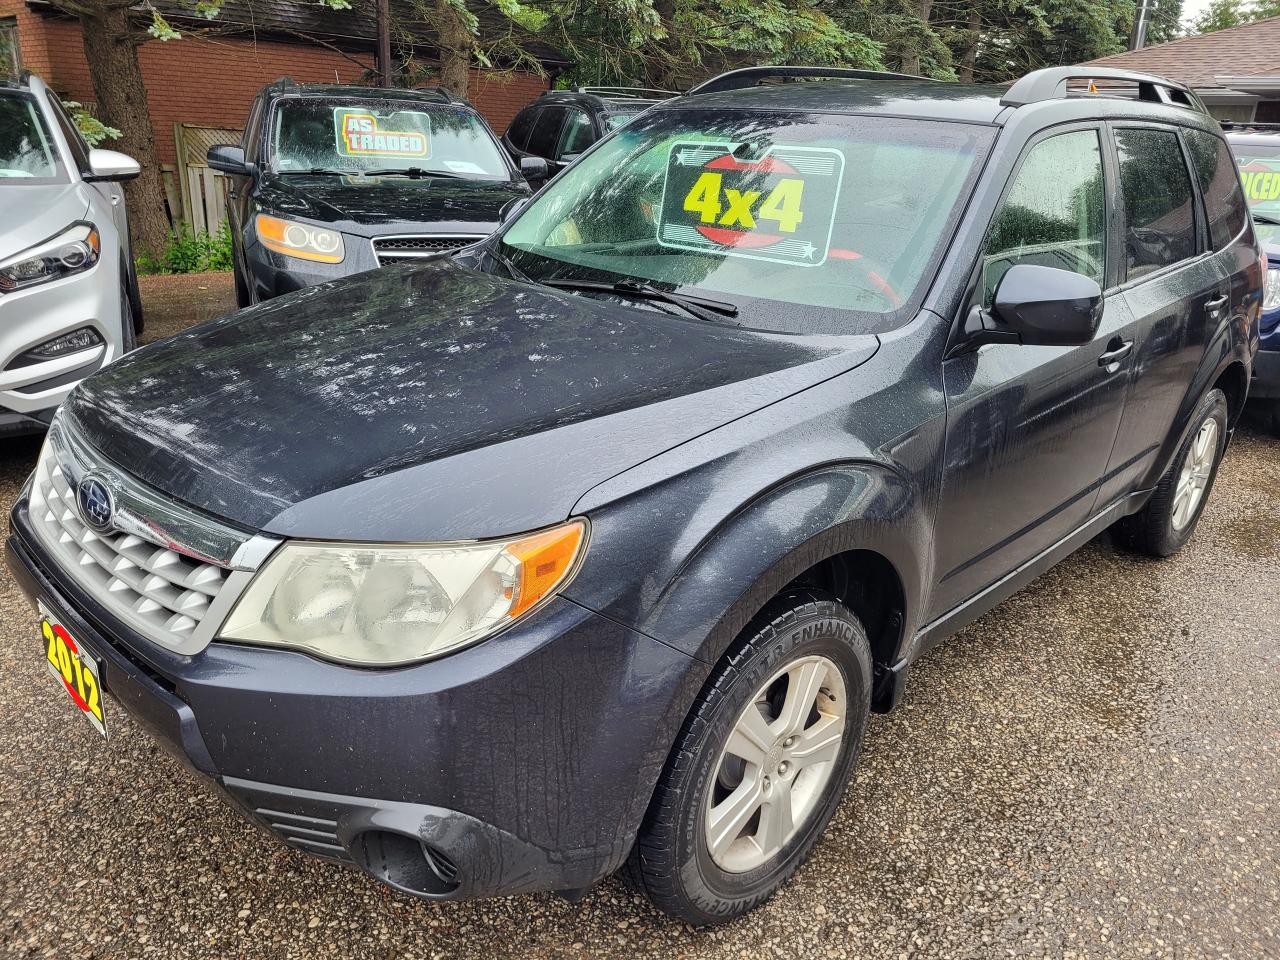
[{"x": 1093, "y": 769}]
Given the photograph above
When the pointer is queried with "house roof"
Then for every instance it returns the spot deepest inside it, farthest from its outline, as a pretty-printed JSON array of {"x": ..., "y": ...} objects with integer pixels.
[
  {"x": 354, "y": 29},
  {"x": 1205, "y": 61}
]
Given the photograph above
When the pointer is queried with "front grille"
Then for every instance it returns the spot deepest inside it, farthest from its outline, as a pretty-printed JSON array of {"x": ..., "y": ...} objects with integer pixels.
[
  {"x": 130, "y": 576},
  {"x": 163, "y": 569},
  {"x": 405, "y": 249}
]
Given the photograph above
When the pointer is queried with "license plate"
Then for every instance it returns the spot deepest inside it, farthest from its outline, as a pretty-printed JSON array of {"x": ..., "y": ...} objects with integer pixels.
[{"x": 78, "y": 671}]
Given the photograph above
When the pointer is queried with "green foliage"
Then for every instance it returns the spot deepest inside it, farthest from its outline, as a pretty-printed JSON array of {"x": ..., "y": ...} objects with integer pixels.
[
  {"x": 91, "y": 128},
  {"x": 1222, "y": 14},
  {"x": 189, "y": 252}
]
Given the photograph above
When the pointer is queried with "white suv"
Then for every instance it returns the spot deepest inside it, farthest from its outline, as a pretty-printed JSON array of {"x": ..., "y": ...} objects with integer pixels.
[{"x": 68, "y": 293}]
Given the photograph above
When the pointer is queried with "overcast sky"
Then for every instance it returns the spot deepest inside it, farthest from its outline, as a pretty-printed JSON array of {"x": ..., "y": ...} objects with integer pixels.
[{"x": 1191, "y": 9}]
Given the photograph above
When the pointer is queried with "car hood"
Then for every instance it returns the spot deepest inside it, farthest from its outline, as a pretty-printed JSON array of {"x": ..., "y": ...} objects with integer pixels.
[
  {"x": 36, "y": 213},
  {"x": 428, "y": 403},
  {"x": 373, "y": 205}
]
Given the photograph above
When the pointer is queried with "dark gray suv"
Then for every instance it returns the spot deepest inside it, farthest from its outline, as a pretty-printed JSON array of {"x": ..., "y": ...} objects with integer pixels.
[{"x": 592, "y": 546}]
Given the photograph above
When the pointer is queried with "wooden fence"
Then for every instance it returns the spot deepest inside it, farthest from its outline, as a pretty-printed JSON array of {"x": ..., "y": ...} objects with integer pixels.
[{"x": 195, "y": 193}]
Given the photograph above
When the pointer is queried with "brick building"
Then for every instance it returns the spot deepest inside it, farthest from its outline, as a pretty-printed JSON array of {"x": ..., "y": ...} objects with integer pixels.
[{"x": 208, "y": 78}]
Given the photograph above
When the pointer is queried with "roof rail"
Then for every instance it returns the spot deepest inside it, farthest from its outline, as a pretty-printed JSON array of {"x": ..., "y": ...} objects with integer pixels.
[
  {"x": 17, "y": 80},
  {"x": 636, "y": 93},
  {"x": 1051, "y": 84},
  {"x": 745, "y": 77}
]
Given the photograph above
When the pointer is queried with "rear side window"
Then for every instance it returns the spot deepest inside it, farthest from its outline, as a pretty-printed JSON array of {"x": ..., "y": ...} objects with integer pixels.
[
  {"x": 546, "y": 132},
  {"x": 518, "y": 132},
  {"x": 1160, "y": 223},
  {"x": 1223, "y": 200},
  {"x": 1054, "y": 214}
]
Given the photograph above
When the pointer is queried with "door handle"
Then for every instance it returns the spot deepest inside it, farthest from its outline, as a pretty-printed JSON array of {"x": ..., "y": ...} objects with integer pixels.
[
  {"x": 1216, "y": 304},
  {"x": 1116, "y": 353}
]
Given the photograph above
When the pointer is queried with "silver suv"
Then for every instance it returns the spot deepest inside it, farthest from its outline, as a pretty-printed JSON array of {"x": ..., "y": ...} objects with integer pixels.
[{"x": 68, "y": 293}]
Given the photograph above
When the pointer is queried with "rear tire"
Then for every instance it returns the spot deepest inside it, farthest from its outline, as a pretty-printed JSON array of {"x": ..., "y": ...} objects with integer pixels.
[
  {"x": 725, "y": 830},
  {"x": 1170, "y": 517}
]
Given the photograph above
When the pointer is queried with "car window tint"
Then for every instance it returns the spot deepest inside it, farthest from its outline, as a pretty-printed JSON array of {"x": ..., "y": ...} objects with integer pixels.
[
  {"x": 1054, "y": 214},
  {"x": 575, "y": 136},
  {"x": 546, "y": 132},
  {"x": 79, "y": 149},
  {"x": 1219, "y": 185},
  {"x": 518, "y": 132},
  {"x": 27, "y": 152},
  {"x": 1160, "y": 226},
  {"x": 251, "y": 136}
]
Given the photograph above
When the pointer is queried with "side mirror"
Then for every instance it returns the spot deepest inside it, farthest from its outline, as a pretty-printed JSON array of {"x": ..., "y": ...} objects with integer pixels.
[
  {"x": 108, "y": 165},
  {"x": 535, "y": 168},
  {"x": 1039, "y": 306},
  {"x": 511, "y": 208},
  {"x": 228, "y": 158}
]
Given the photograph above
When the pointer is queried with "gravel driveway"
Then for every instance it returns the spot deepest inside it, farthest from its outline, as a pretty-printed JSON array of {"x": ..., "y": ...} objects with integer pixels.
[{"x": 1091, "y": 770}]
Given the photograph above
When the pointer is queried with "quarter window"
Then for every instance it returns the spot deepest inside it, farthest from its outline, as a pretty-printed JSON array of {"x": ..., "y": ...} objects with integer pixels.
[
  {"x": 576, "y": 135},
  {"x": 1219, "y": 185},
  {"x": 1054, "y": 214},
  {"x": 1160, "y": 223}
]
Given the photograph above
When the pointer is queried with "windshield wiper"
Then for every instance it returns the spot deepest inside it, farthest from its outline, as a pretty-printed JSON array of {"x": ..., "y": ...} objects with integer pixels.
[
  {"x": 692, "y": 305},
  {"x": 414, "y": 172},
  {"x": 1266, "y": 218}
]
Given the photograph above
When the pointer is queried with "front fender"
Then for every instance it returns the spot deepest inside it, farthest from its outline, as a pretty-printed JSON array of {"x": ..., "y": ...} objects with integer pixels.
[{"x": 690, "y": 546}]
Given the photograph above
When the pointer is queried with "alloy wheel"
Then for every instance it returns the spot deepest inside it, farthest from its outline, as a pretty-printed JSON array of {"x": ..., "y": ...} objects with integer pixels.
[
  {"x": 1194, "y": 477},
  {"x": 776, "y": 764}
]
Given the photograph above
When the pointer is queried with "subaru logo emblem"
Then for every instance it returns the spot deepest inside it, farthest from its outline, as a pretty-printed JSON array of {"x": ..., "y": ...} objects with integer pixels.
[{"x": 96, "y": 504}]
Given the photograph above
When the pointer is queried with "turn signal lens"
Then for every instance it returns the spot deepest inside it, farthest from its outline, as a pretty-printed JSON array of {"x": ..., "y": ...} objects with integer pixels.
[
  {"x": 545, "y": 560},
  {"x": 302, "y": 240}
]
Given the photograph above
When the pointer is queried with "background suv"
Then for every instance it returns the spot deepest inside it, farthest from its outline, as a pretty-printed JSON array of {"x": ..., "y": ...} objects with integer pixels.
[
  {"x": 332, "y": 180},
  {"x": 561, "y": 124},
  {"x": 592, "y": 546},
  {"x": 68, "y": 291},
  {"x": 1257, "y": 150}
]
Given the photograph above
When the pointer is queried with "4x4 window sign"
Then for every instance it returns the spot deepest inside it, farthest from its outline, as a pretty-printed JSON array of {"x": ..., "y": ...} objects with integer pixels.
[{"x": 779, "y": 206}]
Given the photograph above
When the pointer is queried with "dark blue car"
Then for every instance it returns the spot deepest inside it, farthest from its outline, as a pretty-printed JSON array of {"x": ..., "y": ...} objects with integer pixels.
[
  {"x": 1257, "y": 150},
  {"x": 591, "y": 547}
]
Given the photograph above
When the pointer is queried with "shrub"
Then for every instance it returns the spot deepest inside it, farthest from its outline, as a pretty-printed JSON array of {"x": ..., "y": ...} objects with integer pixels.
[{"x": 190, "y": 252}]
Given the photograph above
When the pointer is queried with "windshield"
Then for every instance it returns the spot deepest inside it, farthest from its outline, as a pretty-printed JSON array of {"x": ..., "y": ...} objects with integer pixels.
[
  {"x": 353, "y": 136},
  {"x": 841, "y": 214},
  {"x": 27, "y": 154}
]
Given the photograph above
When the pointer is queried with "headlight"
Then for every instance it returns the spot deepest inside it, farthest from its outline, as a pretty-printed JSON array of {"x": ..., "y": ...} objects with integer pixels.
[
  {"x": 383, "y": 605},
  {"x": 74, "y": 250},
  {"x": 302, "y": 240},
  {"x": 1271, "y": 289}
]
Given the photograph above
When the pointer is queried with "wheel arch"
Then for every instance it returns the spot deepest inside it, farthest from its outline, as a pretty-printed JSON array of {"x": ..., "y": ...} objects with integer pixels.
[{"x": 862, "y": 536}]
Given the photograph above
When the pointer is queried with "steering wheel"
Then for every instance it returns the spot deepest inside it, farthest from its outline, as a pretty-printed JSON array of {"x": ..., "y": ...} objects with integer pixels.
[{"x": 873, "y": 275}]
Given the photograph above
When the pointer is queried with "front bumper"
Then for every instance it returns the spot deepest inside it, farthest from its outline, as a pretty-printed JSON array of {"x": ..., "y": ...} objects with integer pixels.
[
  {"x": 524, "y": 763},
  {"x": 273, "y": 274},
  {"x": 40, "y": 313},
  {"x": 1266, "y": 367}
]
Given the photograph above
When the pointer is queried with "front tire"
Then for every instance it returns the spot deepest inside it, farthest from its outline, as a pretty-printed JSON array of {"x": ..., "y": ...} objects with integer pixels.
[
  {"x": 1170, "y": 517},
  {"x": 760, "y": 764}
]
